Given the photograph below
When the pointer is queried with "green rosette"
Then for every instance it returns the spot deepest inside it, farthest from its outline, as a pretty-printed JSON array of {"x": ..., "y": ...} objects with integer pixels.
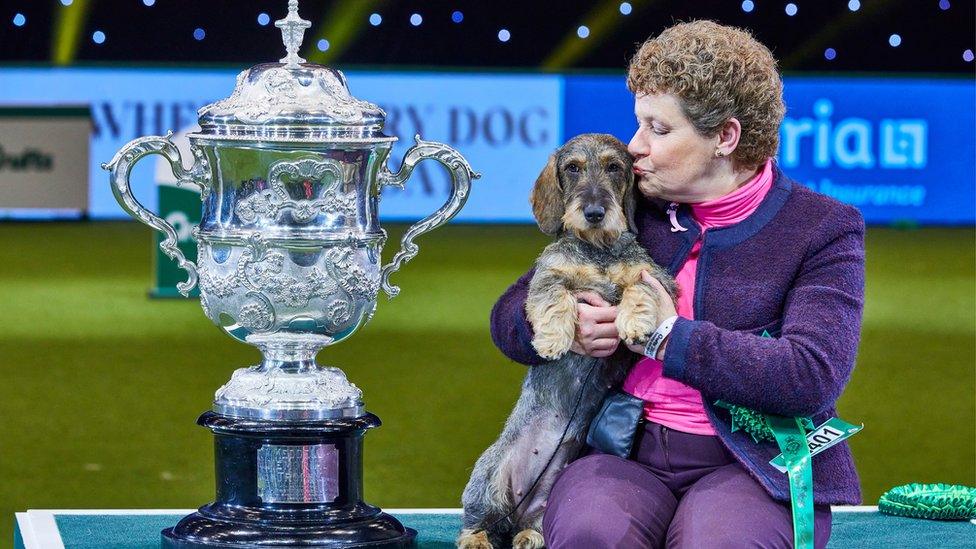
[
  {"x": 754, "y": 423},
  {"x": 930, "y": 501}
]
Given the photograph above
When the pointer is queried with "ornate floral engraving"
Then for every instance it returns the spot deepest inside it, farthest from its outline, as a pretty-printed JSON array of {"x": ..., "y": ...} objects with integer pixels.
[
  {"x": 351, "y": 275},
  {"x": 216, "y": 285},
  {"x": 257, "y": 314},
  {"x": 339, "y": 311},
  {"x": 321, "y": 388},
  {"x": 271, "y": 280},
  {"x": 271, "y": 203},
  {"x": 265, "y": 92},
  {"x": 265, "y": 274}
]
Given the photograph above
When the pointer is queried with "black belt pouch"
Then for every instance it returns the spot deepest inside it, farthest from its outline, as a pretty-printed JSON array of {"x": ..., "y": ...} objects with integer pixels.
[{"x": 615, "y": 426}]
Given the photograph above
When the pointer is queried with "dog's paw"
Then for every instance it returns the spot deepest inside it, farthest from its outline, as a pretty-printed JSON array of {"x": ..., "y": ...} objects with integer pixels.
[
  {"x": 553, "y": 317},
  {"x": 528, "y": 539},
  {"x": 470, "y": 540},
  {"x": 634, "y": 326},
  {"x": 552, "y": 344}
]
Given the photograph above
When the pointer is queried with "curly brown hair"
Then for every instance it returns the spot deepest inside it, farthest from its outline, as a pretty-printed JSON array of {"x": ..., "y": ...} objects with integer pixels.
[{"x": 717, "y": 73}]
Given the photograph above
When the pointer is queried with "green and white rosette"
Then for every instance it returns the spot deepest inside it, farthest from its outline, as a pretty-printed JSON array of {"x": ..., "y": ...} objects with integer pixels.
[
  {"x": 930, "y": 501},
  {"x": 799, "y": 441}
]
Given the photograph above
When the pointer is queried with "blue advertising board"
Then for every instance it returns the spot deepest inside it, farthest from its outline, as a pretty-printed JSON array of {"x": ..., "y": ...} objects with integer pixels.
[{"x": 900, "y": 149}]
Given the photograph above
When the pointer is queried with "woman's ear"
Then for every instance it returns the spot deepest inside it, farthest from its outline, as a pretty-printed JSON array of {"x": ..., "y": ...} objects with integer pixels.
[
  {"x": 547, "y": 199},
  {"x": 728, "y": 137}
]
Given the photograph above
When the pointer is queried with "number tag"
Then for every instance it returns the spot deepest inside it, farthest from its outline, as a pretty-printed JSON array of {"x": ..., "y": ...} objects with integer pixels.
[{"x": 829, "y": 433}]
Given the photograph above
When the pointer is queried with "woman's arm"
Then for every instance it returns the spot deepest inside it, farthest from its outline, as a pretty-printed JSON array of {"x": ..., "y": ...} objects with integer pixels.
[
  {"x": 510, "y": 329},
  {"x": 803, "y": 371}
]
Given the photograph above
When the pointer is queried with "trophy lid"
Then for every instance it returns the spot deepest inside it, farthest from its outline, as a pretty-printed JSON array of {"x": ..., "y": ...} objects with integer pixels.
[{"x": 292, "y": 100}]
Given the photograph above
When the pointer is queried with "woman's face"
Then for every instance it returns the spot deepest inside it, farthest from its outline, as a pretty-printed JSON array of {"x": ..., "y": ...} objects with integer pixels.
[{"x": 672, "y": 160}]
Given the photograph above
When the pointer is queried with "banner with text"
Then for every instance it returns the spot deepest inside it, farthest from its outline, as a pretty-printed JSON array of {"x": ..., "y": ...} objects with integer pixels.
[
  {"x": 505, "y": 125},
  {"x": 44, "y": 158},
  {"x": 899, "y": 149}
]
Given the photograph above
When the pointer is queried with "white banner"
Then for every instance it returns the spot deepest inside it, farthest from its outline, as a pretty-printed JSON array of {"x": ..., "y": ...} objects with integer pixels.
[{"x": 44, "y": 158}]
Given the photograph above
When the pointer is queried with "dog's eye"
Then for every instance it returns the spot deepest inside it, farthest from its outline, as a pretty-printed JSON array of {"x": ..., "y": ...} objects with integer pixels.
[
  {"x": 573, "y": 167},
  {"x": 613, "y": 167}
]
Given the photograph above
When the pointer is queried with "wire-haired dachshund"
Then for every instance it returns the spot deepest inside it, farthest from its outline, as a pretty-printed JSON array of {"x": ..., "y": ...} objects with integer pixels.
[{"x": 585, "y": 198}]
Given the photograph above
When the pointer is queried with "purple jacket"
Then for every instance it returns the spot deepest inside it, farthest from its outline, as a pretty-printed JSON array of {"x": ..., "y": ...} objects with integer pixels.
[{"x": 794, "y": 269}]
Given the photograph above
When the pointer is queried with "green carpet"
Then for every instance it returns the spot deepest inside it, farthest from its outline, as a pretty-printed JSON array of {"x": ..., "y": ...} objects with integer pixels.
[
  {"x": 438, "y": 531},
  {"x": 100, "y": 386}
]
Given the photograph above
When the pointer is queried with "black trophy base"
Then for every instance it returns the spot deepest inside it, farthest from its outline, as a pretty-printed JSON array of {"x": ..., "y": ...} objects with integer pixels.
[
  {"x": 199, "y": 531},
  {"x": 286, "y": 483}
]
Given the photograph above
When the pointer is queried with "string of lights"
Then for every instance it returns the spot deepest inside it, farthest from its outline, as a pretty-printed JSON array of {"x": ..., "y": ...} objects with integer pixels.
[{"x": 851, "y": 35}]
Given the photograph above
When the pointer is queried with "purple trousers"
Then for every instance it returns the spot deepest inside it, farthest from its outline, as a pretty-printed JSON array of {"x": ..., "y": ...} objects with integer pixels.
[{"x": 678, "y": 490}]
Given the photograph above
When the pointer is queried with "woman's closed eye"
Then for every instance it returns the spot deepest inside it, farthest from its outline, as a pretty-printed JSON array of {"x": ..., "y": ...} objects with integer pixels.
[{"x": 654, "y": 126}]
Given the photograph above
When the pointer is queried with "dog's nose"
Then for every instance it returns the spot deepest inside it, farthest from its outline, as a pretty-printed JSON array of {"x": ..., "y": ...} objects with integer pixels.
[{"x": 594, "y": 213}]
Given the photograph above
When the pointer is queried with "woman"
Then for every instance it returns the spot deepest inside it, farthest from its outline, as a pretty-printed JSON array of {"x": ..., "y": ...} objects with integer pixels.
[{"x": 771, "y": 276}]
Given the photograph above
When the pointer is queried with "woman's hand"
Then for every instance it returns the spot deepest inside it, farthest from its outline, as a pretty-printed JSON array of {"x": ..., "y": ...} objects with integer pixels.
[
  {"x": 596, "y": 333},
  {"x": 667, "y": 311}
]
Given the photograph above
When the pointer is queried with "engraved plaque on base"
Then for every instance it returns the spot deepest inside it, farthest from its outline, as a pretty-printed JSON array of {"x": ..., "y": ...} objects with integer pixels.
[{"x": 298, "y": 474}]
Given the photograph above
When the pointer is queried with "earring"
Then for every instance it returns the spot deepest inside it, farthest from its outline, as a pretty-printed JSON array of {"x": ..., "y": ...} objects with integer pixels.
[{"x": 719, "y": 154}]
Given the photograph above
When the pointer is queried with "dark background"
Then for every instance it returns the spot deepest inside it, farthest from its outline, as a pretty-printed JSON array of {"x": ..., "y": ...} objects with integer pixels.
[{"x": 935, "y": 34}]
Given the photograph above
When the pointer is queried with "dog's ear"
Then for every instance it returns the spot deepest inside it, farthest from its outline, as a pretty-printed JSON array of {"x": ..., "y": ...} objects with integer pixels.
[
  {"x": 630, "y": 203},
  {"x": 547, "y": 199}
]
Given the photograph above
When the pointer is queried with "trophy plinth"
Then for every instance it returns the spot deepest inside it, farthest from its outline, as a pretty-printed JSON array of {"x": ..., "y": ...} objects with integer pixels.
[
  {"x": 288, "y": 484},
  {"x": 290, "y": 170}
]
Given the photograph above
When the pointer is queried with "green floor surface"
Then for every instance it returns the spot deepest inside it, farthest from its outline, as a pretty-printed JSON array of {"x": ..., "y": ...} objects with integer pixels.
[
  {"x": 100, "y": 386},
  {"x": 863, "y": 530}
]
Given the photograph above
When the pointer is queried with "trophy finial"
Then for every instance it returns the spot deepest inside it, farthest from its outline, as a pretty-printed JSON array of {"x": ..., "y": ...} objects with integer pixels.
[{"x": 292, "y": 32}]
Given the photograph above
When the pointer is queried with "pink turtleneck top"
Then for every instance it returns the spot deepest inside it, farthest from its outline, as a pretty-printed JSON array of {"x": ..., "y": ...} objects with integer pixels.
[{"x": 667, "y": 401}]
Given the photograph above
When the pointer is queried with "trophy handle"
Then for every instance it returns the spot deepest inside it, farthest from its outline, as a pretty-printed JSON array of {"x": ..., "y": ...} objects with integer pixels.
[
  {"x": 461, "y": 176},
  {"x": 121, "y": 167}
]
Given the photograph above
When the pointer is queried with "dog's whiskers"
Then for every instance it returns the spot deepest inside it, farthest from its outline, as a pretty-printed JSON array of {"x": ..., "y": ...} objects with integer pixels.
[{"x": 602, "y": 235}]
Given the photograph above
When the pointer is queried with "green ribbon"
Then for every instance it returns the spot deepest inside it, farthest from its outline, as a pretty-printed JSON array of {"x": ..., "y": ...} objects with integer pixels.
[
  {"x": 790, "y": 435},
  {"x": 791, "y": 439}
]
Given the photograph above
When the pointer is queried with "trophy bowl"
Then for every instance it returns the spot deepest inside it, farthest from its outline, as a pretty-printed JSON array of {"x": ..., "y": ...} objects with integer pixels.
[{"x": 290, "y": 170}]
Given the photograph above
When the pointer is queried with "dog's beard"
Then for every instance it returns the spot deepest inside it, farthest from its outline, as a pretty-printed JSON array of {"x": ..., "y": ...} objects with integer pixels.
[{"x": 603, "y": 235}]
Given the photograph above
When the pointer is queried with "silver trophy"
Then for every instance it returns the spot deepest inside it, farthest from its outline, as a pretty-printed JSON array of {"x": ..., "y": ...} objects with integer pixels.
[{"x": 290, "y": 169}]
